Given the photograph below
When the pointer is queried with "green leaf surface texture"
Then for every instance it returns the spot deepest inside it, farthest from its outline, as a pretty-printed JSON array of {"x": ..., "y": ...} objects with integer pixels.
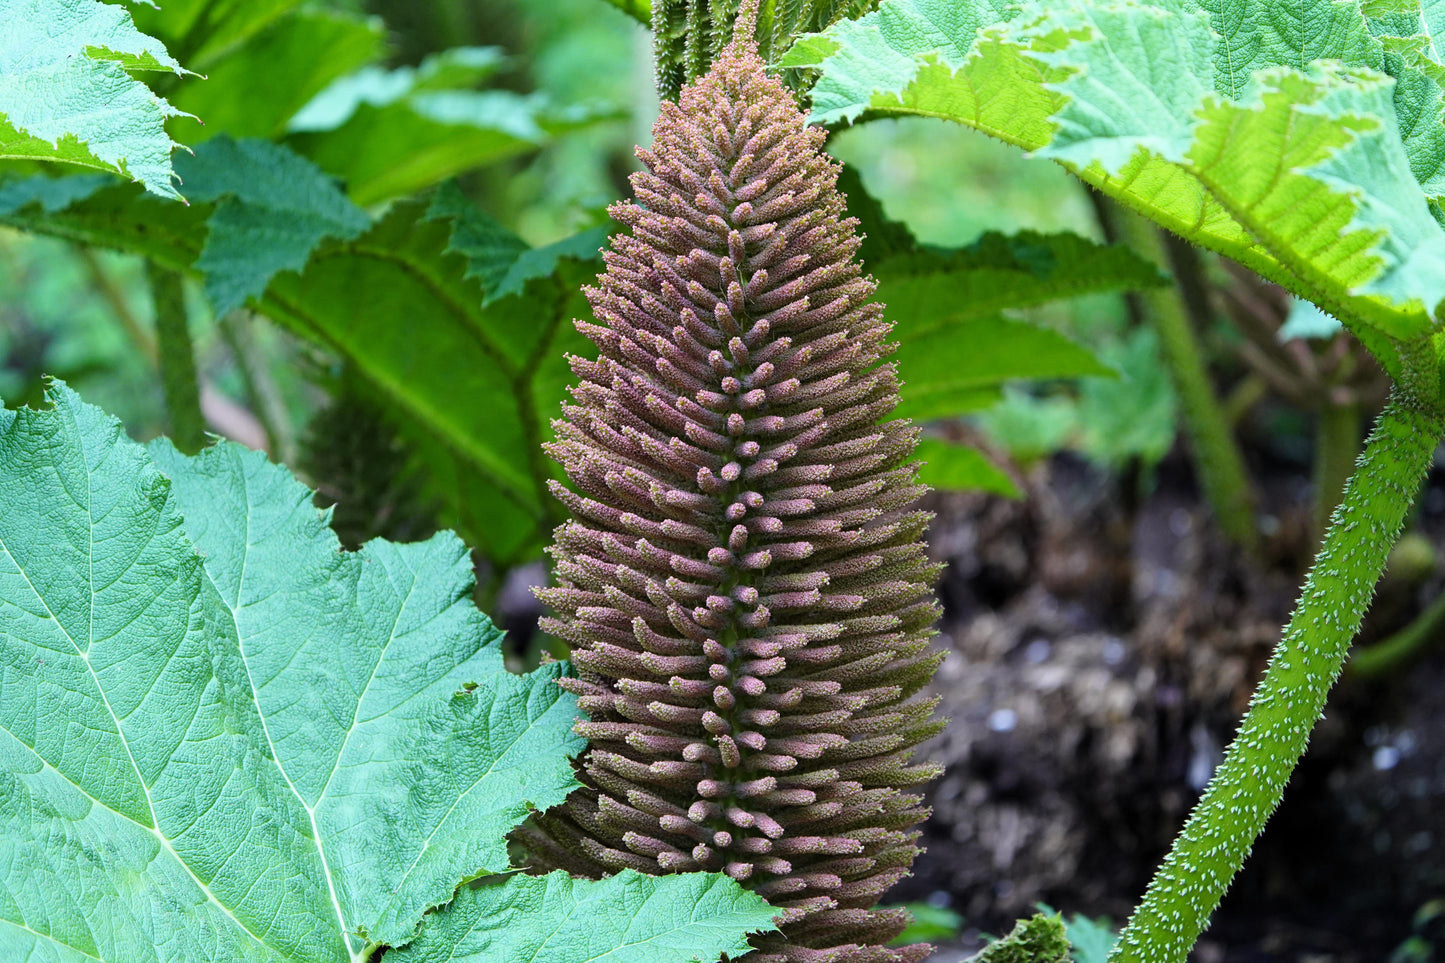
[
  {"x": 222, "y": 737},
  {"x": 272, "y": 209},
  {"x": 1307, "y": 321},
  {"x": 1303, "y": 138},
  {"x": 627, "y": 918},
  {"x": 67, "y": 94}
]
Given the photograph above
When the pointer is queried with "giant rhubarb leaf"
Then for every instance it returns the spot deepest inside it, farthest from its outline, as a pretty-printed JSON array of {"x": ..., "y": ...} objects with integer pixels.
[
  {"x": 273, "y": 208},
  {"x": 1302, "y": 138},
  {"x": 221, "y": 737},
  {"x": 260, "y": 209},
  {"x": 627, "y": 918},
  {"x": 205, "y": 31},
  {"x": 66, "y": 91},
  {"x": 260, "y": 84}
]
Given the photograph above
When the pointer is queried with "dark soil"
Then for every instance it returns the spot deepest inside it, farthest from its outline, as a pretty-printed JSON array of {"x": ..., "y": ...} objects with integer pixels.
[{"x": 1102, "y": 648}]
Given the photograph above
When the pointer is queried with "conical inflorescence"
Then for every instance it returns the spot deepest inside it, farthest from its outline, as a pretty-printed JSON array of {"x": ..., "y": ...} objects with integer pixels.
[{"x": 744, "y": 584}]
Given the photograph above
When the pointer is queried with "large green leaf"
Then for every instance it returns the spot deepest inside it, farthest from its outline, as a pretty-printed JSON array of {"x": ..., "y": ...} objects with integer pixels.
[
  {"x": 96, "y": 209},
  {"x": 1301, "y": 138},
  {"x": 932, "y": 288},
  {"x": 49, "y": 195},
  {"x": 953, "y": 370},
  {"x": 259, "y": 209},
  {"x": 947, "y": 304},
  {"x": 66, "y": 91},
  {"x": 628, "y": 918},
  {"x": 273, "y": 208},
  {"x": 956, "y": 349},
  {"x": 223, "y": 737},
  {"x": 480, "y": 385},
  {"x": 501, "y": 261},
  {"x": 956, "y": 467},
  {"x": 265, "y": 209}
]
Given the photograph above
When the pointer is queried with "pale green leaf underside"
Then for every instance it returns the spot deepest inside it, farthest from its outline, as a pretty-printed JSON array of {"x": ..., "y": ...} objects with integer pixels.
[
  {"x": 1307, "y": 321},
  {"x": 1284, "y": 134},
  {"x": 224, "y": 739},
  {"x": 627, "y": 918},
  {"x": 66, "y": 93}
]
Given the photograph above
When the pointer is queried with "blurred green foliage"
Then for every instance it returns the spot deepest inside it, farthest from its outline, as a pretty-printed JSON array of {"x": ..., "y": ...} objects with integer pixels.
[
  {"x": 573, "y": 82},
  {"x": 931, "y": 924},
  {"x": 55, "y": 319},
  {"x": 913, "y": 166}
]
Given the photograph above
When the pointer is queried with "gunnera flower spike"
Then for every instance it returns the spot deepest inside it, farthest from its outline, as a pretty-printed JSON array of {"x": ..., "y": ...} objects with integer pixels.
[{"x": 744, "y": 584}]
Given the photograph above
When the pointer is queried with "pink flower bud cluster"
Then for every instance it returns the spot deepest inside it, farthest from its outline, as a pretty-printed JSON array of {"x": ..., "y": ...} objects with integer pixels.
[{"x": 744, "y": 584}]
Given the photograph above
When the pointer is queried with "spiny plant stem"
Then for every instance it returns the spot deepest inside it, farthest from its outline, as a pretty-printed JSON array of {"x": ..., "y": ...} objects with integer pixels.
[
  {"x": 1250, "y": 782},
  {"x": 177, "y": 361}
]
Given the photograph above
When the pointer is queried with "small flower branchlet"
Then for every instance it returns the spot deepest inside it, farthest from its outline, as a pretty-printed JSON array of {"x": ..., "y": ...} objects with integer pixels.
[{"x": 744, "y": 584}]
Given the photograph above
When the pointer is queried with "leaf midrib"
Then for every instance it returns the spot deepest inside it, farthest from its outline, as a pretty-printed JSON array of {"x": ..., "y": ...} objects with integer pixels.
[
  {"x": 358, "y": 956},
  {"x": 153, "y": 829}
]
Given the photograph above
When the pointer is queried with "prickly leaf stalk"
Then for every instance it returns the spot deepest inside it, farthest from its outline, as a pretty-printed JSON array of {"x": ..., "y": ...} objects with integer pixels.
[
  {"x": 1272, "y": 737},
  {"x": 744, "y": 582}
]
